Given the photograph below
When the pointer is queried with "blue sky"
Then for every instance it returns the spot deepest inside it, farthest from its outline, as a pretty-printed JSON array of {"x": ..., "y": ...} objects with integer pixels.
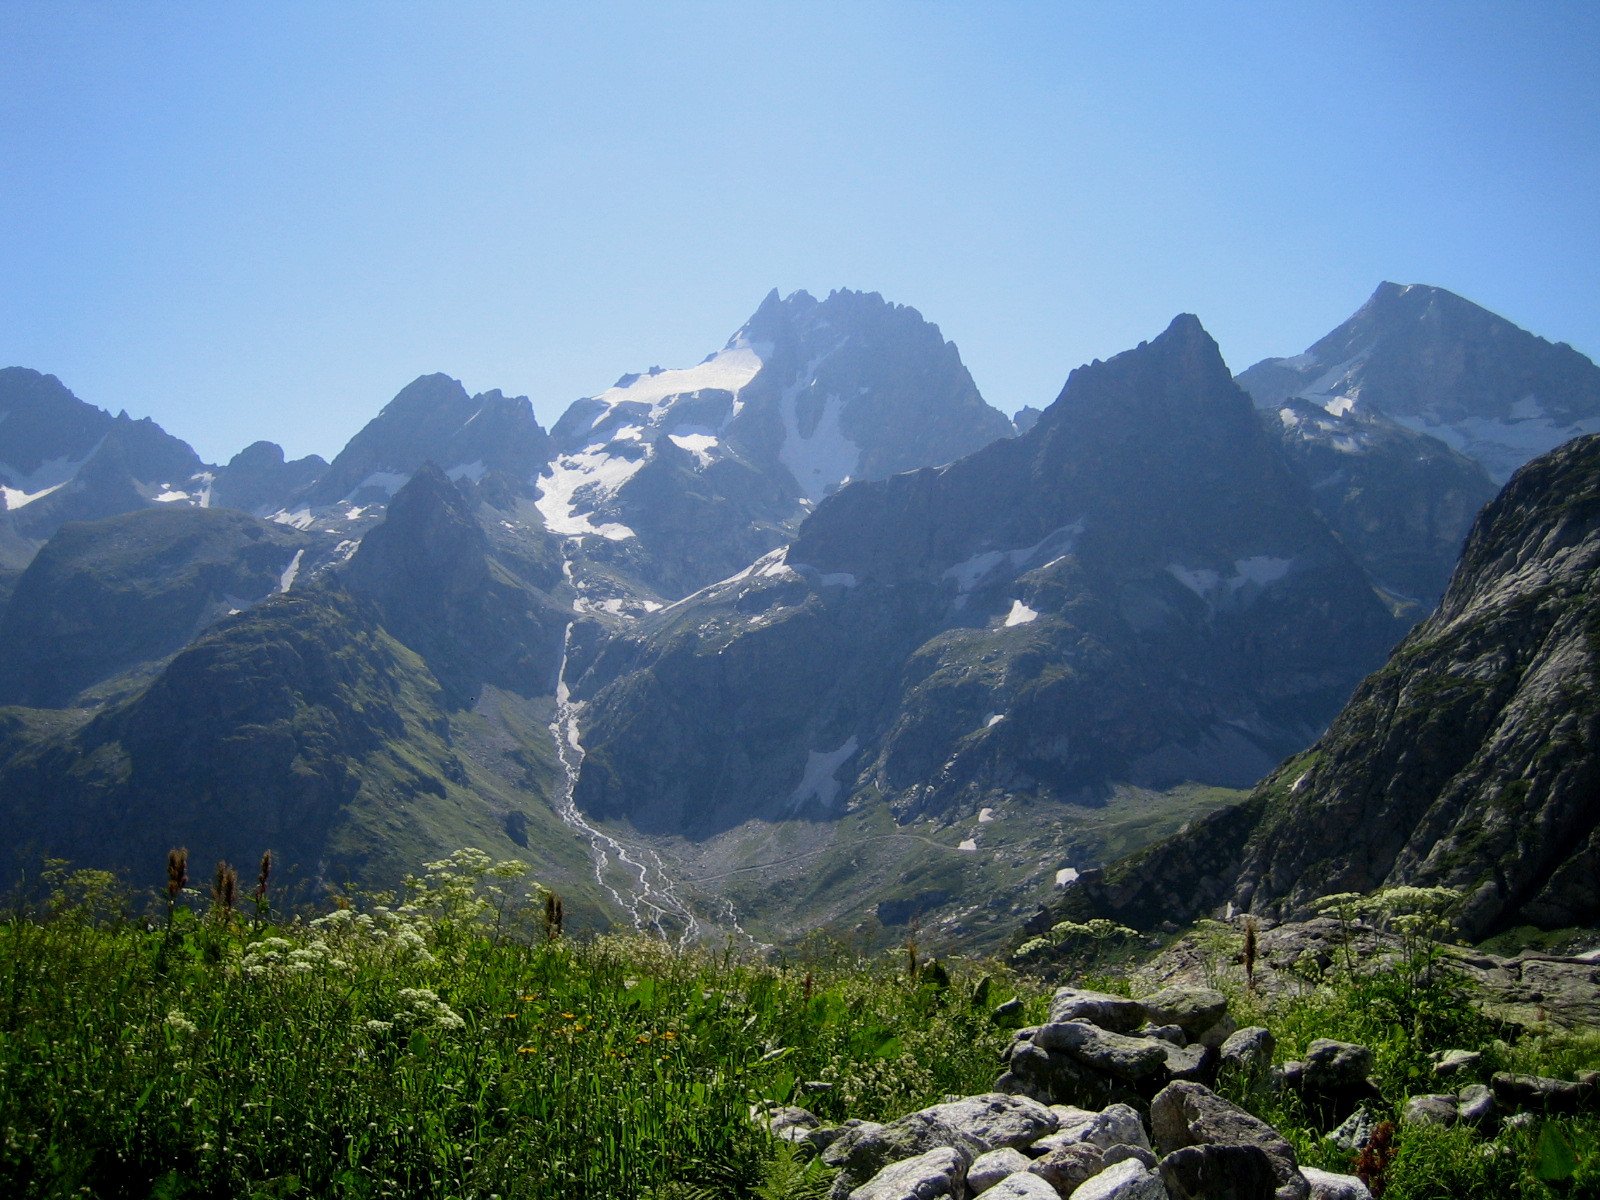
[{"x": 261, "y": 220}]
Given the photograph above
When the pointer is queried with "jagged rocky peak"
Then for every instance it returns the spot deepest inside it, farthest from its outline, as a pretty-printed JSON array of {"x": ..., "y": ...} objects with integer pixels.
[
  {"x": 1061, "y": 610},
  {"x": 434, "y": 419},
  {"x": 1441, "y": 365},
  {"x": 259, "y": 480},
  {"x": 62, "y": 459},
  {"x": 1470, "y": 760},
  {"x": 428, "y": 539},
  {"x": 432, "y": 572},
  {"x": 47, "y": 430}
]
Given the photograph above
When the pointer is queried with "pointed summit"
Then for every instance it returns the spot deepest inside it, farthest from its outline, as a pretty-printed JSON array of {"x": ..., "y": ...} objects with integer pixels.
[{"x": 1441, "y": 365}]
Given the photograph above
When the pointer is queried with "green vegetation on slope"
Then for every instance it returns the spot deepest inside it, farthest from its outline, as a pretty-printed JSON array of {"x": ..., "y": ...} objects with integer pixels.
[{"x": 443, "y": 1046}]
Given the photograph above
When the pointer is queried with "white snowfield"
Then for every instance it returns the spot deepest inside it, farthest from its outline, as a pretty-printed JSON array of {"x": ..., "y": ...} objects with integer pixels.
[
  {"x": 22, "y": 489},
  {"x": 819, "y": 783},
  {"x": 825, "y": 457},
  {"x": 1259, "y": 570},
  {"x": 727, "y": 370},
  {"x": 577, "y": 483},
  {"x": 291, "y": 572},
  {"x": 1020, "y": 614},
  {"x": 971, "y": 572}
]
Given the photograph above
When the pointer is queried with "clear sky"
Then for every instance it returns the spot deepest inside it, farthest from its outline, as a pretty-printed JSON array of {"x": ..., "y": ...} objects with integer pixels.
[{"x": 261, "y": 220}]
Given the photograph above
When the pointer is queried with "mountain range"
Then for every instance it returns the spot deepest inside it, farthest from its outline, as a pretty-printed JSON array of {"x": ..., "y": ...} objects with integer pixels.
[{"x": 807, "y": 635}]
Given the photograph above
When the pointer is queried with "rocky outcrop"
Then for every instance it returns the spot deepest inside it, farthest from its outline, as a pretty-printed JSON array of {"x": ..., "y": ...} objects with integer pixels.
[
  {"x": 1077, "y": 605},
  {"x": 1470, "y": 760}
]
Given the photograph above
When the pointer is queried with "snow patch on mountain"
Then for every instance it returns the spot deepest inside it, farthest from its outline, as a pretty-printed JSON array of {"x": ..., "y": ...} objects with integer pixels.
[
  {"x": 970, "y": 572},
  {"x": 825, "y": 457},
  {"x": 291, "y": 572},
  {"x": 584, "y": 480},
  {"x": 1020, "y": 614},
  {"x": 1211, "y": 586},
  {"x": 21, "y": 489},
  {"x": 300, "y": 518},
  {"x": 1503, "y": 445},
  {"x": 818, "y": 782},
  {"x": 727, "y": 370},
  {"x": 699, "y": 443}
]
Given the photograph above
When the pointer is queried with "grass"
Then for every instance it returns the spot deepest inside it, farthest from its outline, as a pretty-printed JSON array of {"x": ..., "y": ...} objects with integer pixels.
[
  {"x": 1406, "y": 1011},
  {"x": 441, "y": 1046}
]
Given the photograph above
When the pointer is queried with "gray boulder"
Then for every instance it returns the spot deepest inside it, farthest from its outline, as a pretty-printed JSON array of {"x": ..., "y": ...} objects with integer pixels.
[
  {"x": 1126, "y": 1180},
  {"x": 938, "y": 1172},
  {"x": 972, "y": 1125},
  {"x": 994, "y": 1119},
  {"x": 789, "y": 1123},
  {"x": 1192, "y": 1009},
  {"x": 1116, "y": 1013},
  {"x": 1066, "y": 1168},
  {"x": 1325, "y": 1185},
  {"x": 1248, "y": 1050},
  {"x": 1476, "y": 1106},
  {"x": 1355, "y": 1131},
  {"x": 1196, "y": 1062},
  {"x": 1166, "y": 1033},
  {"x": 1116, "y": 1125},
  {"x": 1430, "y": 1110},
  {"x": 1189, "y": 1114},
  {"x": 1332, "y": 1066},
  {"x": 1537, "y": 1092},
  {"x": 1218, "y": 1033},
  {"x": 1456, "y": 1062},
  {"x": 1023, "y": 1186},
  {"x": 1126, "y": 1058},
  {"x": 1115, "y": 1154},
  {"x": 989, "y": 1169},
  {"x": 1216, "y": 1172}
]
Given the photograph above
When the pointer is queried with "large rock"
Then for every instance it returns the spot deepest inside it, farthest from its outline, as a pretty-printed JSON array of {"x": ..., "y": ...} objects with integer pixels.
[
  {"x": 1538, "y": 1092},
  {"x": 1116, "y": 1013},
  {"x": 1326, "y": 1185},
  {"x": 989, "y": 1169},
  {"x": 1188, "y": 1114},
  {"x": 1249, "y": 1050},
  {"x": 1126, "y": 1180},
  {"x": 1217, "y": 1172},
  {"x": 1354, "y": 1131},
  {"x": 1023, "y": 1186},
  {"x": 1116, "y": 1125},
  {"x": 994, "y": 1119},
  {"x": 1332, "y": 1067},
  {"x": 972, "y": 1125},
  {"x": 1067, "y": 1167},
  {"x": 938, "y": 1172},
  {"x": 1434, "y": 1109},
  {"x": 1192, "y": 1009},
  {"x": 1126, "y": 1058}
]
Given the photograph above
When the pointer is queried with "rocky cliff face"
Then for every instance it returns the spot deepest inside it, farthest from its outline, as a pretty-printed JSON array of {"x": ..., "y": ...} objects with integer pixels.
[
  {"x": 1401, "y": 501},
  {"x": 1085, "y": 603},
  {"x": 1469, "y": 760},
  {"x": 63, "y": 460},
  {"x": 430, "y": 570},
  {"x": 433, "y": 419},
  {"x": 103, "y": 597},
  {"x": 677, "y": 478}
]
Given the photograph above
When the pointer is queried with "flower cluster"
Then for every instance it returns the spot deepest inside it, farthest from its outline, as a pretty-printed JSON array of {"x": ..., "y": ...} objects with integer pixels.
[
  {"x": 277, "y": 956},
  {"x": 422, "y": 1006}
]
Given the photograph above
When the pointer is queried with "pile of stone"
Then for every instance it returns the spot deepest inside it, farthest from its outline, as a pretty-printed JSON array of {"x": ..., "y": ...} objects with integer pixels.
[{"x": 1065, "y": 1119}]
